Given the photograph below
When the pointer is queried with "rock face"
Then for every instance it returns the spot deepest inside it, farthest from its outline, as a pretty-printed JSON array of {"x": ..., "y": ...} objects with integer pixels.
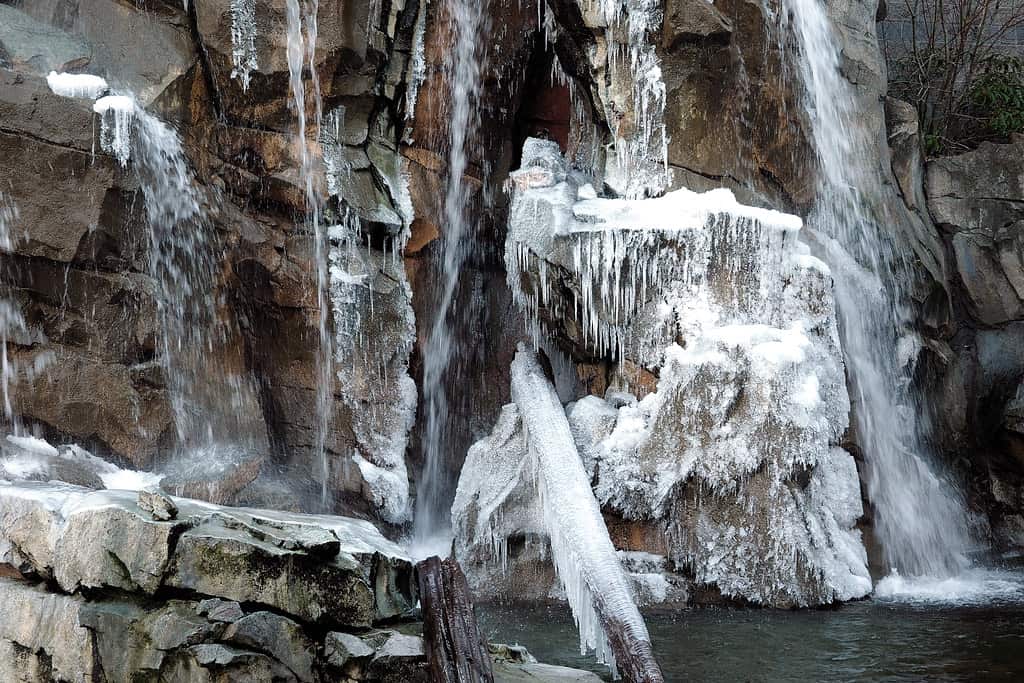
[
  {"x": 976, "y": 200},
  {"x": 733, "y": 460},
  {"x": 95, "y": 367},
  {"x": 259, "y": 589},
  {"x": 976, "y": 359}
]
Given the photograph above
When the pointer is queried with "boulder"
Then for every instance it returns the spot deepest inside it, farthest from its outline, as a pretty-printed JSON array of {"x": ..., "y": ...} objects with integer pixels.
[
  {"x": 40, "y": 633},
  {"x": 278, "y": 636},
  {"x": 978, "y": 199},
  {"x": 158, "y": 505},
  {"x": 342, "y": 648},
  {"x": 214, "y": 474},
  {"x": 735, "y": 455},
  {"x": 319, "y": 569},
  {"x": 215, "y": 609}
]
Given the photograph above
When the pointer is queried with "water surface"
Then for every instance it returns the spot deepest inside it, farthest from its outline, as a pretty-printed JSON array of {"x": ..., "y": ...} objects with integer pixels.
[{"x": 970, "y": 630}]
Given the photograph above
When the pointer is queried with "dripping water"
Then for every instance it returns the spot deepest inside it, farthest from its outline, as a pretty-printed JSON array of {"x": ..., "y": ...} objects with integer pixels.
[
  {"x": 919, "y": 517},
  {"x": 302, "y": 37},
  {"x": 211, "y": 403},
  {"x": 12, "y": 324},
  {"x": 463, "y": 73}
]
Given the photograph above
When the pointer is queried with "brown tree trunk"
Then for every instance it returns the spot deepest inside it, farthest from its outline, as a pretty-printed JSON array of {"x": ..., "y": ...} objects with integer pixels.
[{"x": 455, "y": 648}]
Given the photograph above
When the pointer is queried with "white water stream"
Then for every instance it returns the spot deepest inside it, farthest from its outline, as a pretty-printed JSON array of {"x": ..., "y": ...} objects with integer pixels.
[
  {"x": 302, "y": 36},
  {"x": 463, "y": 70},
  {"x": 919, "y": 517}
]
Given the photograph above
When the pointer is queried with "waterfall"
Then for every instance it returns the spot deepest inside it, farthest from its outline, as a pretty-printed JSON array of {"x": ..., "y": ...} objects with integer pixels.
[
  {"x": 920, "y": 520},
  {"x": 302, "y": 54},
  {"x": 210, "y": 402},
  {"x": 11, "y": 321},
  {"x": 463, "y": 71}
]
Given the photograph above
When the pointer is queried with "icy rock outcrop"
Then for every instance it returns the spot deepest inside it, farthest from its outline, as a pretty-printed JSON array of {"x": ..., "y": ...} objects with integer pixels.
[
  {"x": 734, "y": 456},
  {"x": 374, "y": 333},
  {"x": 628, "y": 89}
]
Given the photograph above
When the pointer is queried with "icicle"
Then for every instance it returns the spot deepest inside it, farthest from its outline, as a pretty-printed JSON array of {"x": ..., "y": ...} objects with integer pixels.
[{"x": 243, "y": 40}]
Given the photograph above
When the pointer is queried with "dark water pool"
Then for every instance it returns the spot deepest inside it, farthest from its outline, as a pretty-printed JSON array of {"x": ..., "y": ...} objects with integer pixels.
[{"x": 933, "y": 634}]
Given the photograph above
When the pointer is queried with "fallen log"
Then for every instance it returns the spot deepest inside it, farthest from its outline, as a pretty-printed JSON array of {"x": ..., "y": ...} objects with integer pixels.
[
  {"x": 595, "y": 583},
  {"x": 456, "y": 651}
]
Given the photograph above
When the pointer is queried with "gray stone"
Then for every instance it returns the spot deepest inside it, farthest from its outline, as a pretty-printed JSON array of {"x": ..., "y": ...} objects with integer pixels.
[
  {"x": 93, "y": 539},
  {"x": 215, "y": 609},
  {"x": 231, "y": 665},
  {"x": 509, "y": 672},
  {"x": 161, "y": 507},
  {"x": 45, "y": 623},
  {"x": 277, "y": 636},
  {"x": 82, "y": 538},
  {"x": 214, "y": 474},
  {"x": 28, "y": 42},
  {"x": 978, "y": 197},
  {"x": 342, "y": 648},
  {"x": 400, "y": 658}
]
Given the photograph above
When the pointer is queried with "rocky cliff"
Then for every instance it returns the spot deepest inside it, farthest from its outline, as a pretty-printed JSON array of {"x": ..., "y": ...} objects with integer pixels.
[{"x": 644, "y": 97}]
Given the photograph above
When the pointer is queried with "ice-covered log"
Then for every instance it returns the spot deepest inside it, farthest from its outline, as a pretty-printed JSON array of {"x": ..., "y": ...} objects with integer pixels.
[{"x": 597, "y": 588}]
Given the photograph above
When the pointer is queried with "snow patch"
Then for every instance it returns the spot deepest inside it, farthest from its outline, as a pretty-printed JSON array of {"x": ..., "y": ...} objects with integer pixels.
[{"x": 84, "y": 86}]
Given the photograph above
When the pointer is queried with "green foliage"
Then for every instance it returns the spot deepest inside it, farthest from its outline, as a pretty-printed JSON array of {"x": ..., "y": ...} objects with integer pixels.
[
  {"x": 933, "y": 145},
  {"x": 997, "y": 95}
]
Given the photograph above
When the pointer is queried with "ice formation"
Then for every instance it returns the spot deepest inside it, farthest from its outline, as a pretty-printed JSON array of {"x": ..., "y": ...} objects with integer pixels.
[
  {"x": 528, "y": 471},
  {"x": 117, "y": 115},
  {"x": 418, "y": 68},
  {"x": 24, "y": 457},
  {"x": 632, "y": 93},
  {"x": 243, "y": 40},
  {"x": 85, "y": 86},
  {"x": 733, "y": 451},
  {"x": 374, "y": 329}
]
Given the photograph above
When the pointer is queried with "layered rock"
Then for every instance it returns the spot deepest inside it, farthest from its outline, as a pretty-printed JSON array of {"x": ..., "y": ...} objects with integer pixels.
[
  {"x": 93, "y": 352},
  {"x": 731, "y": 462},
  {"x": 258, "y": 595}
]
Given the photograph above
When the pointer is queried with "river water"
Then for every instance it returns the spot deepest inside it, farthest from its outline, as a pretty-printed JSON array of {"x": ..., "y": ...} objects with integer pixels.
[{"x": 957, "y": 630}]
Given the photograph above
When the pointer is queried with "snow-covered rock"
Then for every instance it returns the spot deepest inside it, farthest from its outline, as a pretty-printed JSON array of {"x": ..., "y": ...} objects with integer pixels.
[
  {"x": 733, "y": 458},
  {"x": 331, "y": 570}
]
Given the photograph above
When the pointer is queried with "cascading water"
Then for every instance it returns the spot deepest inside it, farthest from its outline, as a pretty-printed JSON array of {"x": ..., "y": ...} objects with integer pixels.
[
  {"x": 209, "y": 401},
  {"x": 302, "y": 35},
  {"x": 11, "y": 321},
  {"x": 920, "y": 521},
  {"x": 463, "y": 71}
]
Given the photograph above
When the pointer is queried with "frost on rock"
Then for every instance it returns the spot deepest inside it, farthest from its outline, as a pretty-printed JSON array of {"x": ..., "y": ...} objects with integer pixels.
[
  {"x": 29, "y": 458},
  {"x": 243, "y": 40},
  {"x": 374, "y": 332},
  {"x": 732, "y": 455},
  {"x": 85, "y": 86},
  {"x": 631, "y": 92}
]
